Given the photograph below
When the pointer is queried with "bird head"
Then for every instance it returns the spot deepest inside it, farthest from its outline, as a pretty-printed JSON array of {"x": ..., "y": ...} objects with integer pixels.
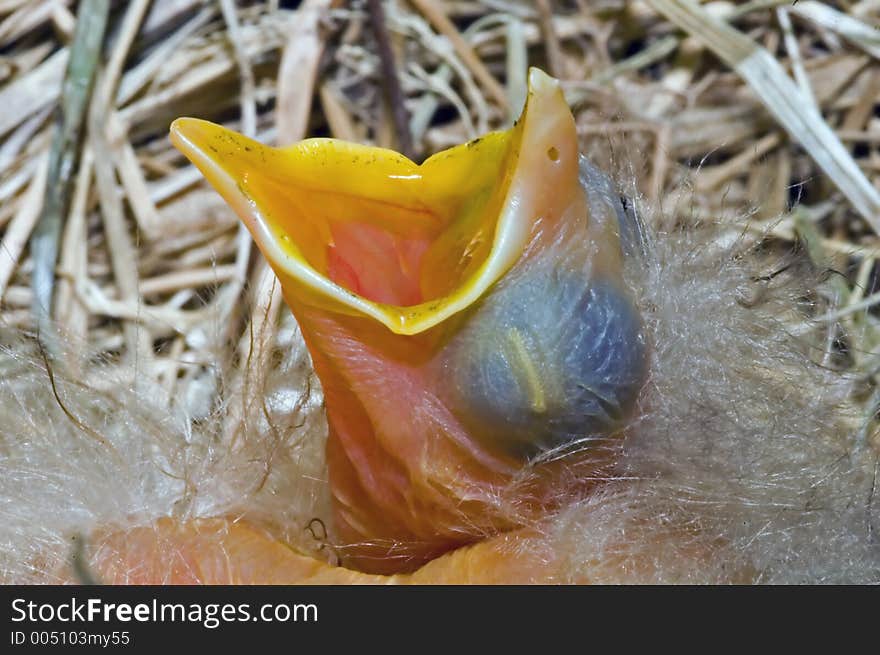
[{"x": 479, "y": 350}]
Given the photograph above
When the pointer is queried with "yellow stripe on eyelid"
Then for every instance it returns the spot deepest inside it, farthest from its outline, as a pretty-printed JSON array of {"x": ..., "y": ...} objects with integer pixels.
[{"x": 528, "y": 370}]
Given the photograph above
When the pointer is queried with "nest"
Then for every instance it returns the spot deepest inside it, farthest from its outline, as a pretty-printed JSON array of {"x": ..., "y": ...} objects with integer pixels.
[{"x": 762, "y": 114}]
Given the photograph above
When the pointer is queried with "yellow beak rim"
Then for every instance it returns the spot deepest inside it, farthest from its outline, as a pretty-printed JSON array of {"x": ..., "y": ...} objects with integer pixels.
[{"x": 231, "y": 162}]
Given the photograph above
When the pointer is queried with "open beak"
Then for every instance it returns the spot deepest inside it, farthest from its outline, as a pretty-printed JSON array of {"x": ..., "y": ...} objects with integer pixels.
[{"x": 467, "y": 318}]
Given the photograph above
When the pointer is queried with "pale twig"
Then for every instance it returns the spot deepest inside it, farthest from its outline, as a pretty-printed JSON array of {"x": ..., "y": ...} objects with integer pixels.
[
  {"x": 713, "y": 176},
  {"x": 123, "y": 255},
  {"x": 191, "y": 278},
  {"x": 656, "y": 51},
  {"x": 340, "y": 121},
  {"x": 15, "y": 182},
  {"x": 299, "y": 69},
  {"x": 857, "y": 32},
  {"x": 517, "y": 67},
  {"x": 22, "y": 224},
  {"x": 131, "y": 175},
  {"x": 26, "y": 19},
  {"x": 70, "y": 315},
  {"x": 63, "y": 21},
  {"x": 139, "y": 76},
  {"x": 20, "y": 138},
  {"x": 244, "y": 243},
  {"x": 248, "y": 101},
  {"x": 794, "y": 53}
]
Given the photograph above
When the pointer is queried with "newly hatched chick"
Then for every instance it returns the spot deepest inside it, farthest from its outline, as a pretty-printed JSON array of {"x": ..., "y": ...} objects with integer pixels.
[
  {"x": 523, "y": 382},
  {"x": 467, "y": 318}
]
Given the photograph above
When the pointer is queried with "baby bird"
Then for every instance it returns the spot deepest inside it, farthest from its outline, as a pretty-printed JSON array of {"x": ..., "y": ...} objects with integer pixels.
[
  {"x": 523, "y": 382},
  {"x": 467, "y": 318}
]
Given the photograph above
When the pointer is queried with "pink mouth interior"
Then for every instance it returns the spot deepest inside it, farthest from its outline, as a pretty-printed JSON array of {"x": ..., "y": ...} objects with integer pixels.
[
  {"x": 376, "y": 264},
  {"x": 391, "y": 253}
]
